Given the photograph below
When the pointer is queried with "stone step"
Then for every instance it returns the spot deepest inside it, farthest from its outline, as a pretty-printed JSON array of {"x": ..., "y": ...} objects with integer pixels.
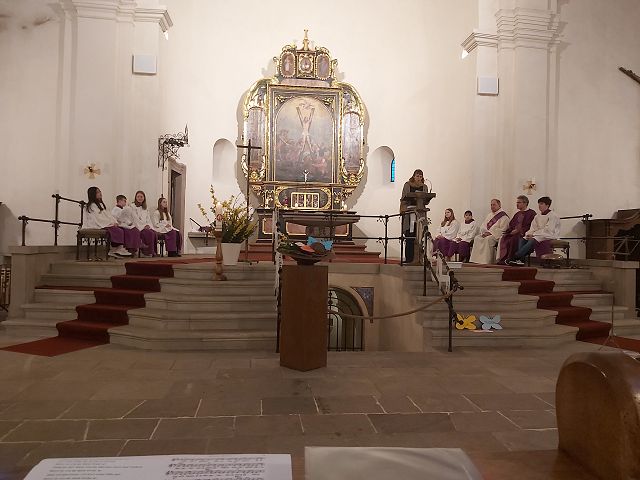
[
  {"x": 559, "y": 275},
  {"x": 106, "y": 269},
  {"x": 626, "y": 327},
  {"x": 72, "y": 280},
  {"x": 553, "y": 335},
  {"x": 65, "y": 296},
  {"x": 577, "y": 285},
  {"x": 472, "y": 288},
  {"x": 50, "y": 311},
  {"x": 209, "y": 287},
  {"x": 602, "y": 313},
  {"x": 154, "y": 339},
  {"x": 210, "y": 303},
  {"x": 589, "y": 299},
  {"x": 484, "y": 303},
  {"x": 203, "y": 321},
  {"x": 519, "y": 318},
  {"x": 44, "y": 327},
  {"x": 204, "y": 271}
]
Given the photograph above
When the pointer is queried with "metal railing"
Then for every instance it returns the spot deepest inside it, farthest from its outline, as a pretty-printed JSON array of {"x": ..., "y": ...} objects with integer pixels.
[
  {"x": 55, "y": 222},
  {"x": 5, "y": 287}
]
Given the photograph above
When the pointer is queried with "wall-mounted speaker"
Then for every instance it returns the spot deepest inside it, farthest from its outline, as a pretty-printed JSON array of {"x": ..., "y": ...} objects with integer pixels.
[
  {"x": 487, "y": 86},
  {"x": 145, "y": 64}
]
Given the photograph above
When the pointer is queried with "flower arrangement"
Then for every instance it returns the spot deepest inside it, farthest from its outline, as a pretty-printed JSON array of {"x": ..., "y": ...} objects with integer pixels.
[{"x": 237, "y": 226}]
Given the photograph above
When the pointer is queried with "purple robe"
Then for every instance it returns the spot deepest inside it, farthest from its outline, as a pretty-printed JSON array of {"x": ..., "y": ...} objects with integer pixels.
[{"x": 519, "y": 225}]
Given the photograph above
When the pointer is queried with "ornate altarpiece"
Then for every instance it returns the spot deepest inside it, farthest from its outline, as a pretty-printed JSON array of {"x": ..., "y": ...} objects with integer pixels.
[{"x": 310, "y": 128}]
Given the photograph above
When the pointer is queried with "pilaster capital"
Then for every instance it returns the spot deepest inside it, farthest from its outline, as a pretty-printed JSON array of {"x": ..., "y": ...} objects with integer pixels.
[
  {"x": 525, "y": 27},
  {"x": 155, "y": 15},
  {"x": 479, "y": 39}
]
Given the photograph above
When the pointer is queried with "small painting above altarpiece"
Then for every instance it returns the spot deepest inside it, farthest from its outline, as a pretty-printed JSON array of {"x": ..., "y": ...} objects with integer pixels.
[{"x": 310, "y": 128}]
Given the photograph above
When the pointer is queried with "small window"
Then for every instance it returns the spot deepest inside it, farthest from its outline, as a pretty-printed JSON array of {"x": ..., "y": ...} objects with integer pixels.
[{"x": 393, "y": 170}]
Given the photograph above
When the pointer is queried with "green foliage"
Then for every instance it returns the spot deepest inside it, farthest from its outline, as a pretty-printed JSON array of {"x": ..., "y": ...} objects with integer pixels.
[{"x": 236, "y": 225}]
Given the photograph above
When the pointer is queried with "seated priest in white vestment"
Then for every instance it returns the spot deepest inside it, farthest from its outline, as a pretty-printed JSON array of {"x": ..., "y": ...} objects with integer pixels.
[{"x": 494, "y": 225}]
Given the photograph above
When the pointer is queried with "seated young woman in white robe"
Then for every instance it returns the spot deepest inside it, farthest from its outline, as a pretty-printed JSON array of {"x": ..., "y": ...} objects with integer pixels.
[
  {"x": 446, "y": 233},
  {"x": 142, "y": 219},
  {"x": 162, "y": 224},
  {"x": 97, "y": 216}
]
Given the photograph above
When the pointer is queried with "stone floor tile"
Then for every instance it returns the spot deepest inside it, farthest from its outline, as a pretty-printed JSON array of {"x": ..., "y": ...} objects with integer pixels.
[
  {"x": 6, "y": 426},
  {"x": 11, "y": 454},
  {"x": 192, "y": 364},
  {"x": 288, "y": 405},
  {"x": 323, "y": 387},
  {"x": 249, "y": 373},
  {"x": 527, "y": 383},
  {"x": 97, "y": 448},
  {"x": 100, "y": 409},
  {"x": 409, "y": 386},
  {"x": 12, "y": 388},
  {"x": 35, "y": 409},
  {"x": 133, "y": 390},
  {"x": 508, "y": 401},
  {"x": 529, "y": 439},
  {"x": 213, "y": 407},
  {"x": 47, "y": 431},
  {"x": 354, "y": 424},
  {"x": 194, "y": 428},
  {"x": 549, "y": 398},
  {"x": 295, "y": 444},
  {"x": 477, "y": 384},
  {"x": 443, "y": 402},
  {"x": 269, "y": 425},
  {"x": 238, "y": 444},
  {"x": 60, "y": 391},
  {"x": 397, "y": 404},
  {"x": 186, "y": 446},
  {"x": 348, "y": 404},
  {"x": 411, "y": 422},
  {"x": 532, "y": 419},
  {"x": 149, "y": 363},
  {"x": 121, "y": 428},
  {"x": 481, "y": 422},
  {"x": 166, "y": 408}
]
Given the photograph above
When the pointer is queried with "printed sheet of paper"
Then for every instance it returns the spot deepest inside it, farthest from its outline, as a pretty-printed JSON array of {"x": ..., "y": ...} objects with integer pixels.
[{"x": 165, "y": 467}]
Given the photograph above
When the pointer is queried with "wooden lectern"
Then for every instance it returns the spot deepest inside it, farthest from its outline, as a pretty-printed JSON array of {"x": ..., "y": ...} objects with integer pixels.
[
  {"x": 421, "y": 200},
  {"x": 303, "y": 323}
]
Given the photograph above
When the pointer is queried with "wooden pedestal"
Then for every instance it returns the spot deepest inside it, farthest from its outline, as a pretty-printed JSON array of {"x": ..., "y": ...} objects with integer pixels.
[{"x": 303, "y": 323}]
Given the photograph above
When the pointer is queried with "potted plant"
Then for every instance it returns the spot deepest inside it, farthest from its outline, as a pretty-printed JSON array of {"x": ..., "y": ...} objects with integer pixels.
[{"x": 237, "y": 226}]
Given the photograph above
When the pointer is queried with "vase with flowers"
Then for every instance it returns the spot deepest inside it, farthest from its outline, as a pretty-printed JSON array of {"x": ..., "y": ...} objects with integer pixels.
[{"x": 237, "y": 224}]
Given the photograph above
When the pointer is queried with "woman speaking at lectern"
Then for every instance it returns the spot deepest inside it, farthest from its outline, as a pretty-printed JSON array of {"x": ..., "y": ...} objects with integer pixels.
[{"x": 414, "y": 184}]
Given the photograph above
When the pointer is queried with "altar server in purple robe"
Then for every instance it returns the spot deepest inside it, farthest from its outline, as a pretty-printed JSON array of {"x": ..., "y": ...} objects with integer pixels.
[
  {"x": 518, "y": 226},
  {"x": 97, "y": 216},
  {"x": 544, "y": 228},
  {"x": 462, "y": 242},
  {"x": 491, "y": 230},
  {"x": 142, "y": 218},
  {"x": 124, "y": 215},
  {"x": 446, "y": 233},
  {"x": 162, "y": 224}
]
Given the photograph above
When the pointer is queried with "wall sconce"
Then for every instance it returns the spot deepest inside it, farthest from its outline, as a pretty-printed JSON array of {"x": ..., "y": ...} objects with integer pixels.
[
  {"x": 529, "y": 186},
  {"x": 91, "y": 170}
]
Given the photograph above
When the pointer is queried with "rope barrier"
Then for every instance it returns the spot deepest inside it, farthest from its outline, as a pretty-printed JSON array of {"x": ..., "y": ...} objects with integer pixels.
[{"x": 395, "y": 315}]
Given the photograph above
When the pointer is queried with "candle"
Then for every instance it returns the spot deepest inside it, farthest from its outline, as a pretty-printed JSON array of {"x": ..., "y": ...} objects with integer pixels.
[{"x": 218, "y": 216}]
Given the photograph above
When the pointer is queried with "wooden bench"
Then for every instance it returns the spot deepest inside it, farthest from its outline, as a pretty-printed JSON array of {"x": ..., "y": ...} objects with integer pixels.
[
  {"x": 556, "y": 245},
  {"x": 99, "y": 236}
]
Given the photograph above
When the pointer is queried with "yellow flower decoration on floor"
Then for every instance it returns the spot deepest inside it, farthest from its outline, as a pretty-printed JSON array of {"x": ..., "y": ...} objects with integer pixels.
[{"x": 468, "y": 323}]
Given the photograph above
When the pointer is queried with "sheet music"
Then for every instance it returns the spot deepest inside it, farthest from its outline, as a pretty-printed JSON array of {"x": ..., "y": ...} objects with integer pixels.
[{"x": 166, "y": 467}]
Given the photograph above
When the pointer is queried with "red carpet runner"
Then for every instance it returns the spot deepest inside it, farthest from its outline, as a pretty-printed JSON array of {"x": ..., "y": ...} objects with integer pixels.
[
  {"x": 588, "y": 330},
  {"x": 91, "y": 328}
]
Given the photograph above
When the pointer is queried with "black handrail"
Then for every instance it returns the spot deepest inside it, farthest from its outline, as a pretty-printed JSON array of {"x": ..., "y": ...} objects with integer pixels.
[{"x": 55, "y": 222}]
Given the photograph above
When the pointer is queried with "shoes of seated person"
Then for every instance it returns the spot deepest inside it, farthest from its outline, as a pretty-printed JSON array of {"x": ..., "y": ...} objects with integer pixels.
[
  {"x": 145, "y": 255},
  {"x": 113, "y": 253},
  {"x": 123, "y": 252},
  {"x": 173, "y": 254},
  {"x": 516, "y": 263}
]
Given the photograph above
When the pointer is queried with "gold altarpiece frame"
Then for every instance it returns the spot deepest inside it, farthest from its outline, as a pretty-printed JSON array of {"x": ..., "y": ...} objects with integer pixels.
[{"x": 310, "y": 127}]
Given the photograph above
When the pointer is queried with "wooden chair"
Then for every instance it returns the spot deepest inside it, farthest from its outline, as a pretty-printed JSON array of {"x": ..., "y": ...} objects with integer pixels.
[
  {"x": 99, "y": 236},
  {"x": 556, "y": 244}
]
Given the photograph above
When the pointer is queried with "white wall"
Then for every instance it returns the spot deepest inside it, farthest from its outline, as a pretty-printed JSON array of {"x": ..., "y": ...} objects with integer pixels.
[
  {"x": 68, "y": 98},
  {"x": 598, "y": 168},
  {"x": 402, "y": 57}
]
